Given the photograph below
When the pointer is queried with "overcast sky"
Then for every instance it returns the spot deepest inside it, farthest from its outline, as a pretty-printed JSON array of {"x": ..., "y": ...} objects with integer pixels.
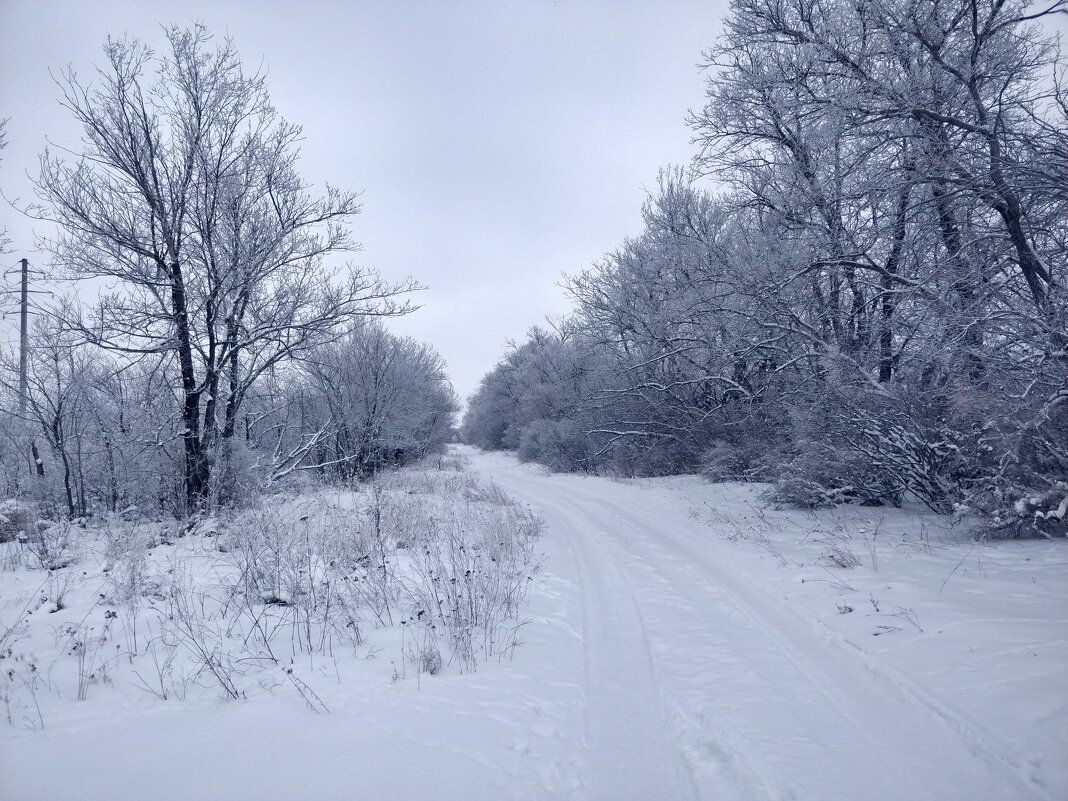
[{"x": 497, "y": 144}]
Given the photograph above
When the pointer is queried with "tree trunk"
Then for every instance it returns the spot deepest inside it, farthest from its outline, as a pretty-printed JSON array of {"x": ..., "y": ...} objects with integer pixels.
[
  {"x": 38, "y": 463},
  {"x": 886, "y": 285},
  {"x": 197, "y": 470}
]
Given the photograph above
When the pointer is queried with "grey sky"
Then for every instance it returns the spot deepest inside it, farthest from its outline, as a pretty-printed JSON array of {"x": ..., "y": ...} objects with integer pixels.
[{"x": 497, "y": 144}]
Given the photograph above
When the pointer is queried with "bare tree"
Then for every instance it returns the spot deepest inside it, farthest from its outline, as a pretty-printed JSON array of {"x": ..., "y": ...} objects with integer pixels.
[
  {"x": 186, "y": 192},
  {"x": 387, "y": 399},
  {"x": 873, "y": 303},
  {"x": 57, "y": 406}
]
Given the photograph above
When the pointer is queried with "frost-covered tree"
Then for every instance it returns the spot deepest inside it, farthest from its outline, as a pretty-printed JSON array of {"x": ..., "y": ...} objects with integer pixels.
[
  {"x": 186, "y": 195},
  {"x": 383, "y": 399},
  {"x": 871, "y": 303}
]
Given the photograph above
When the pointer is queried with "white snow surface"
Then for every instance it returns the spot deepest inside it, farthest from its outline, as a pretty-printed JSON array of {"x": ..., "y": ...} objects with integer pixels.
[{"x": 685, "y": 642}]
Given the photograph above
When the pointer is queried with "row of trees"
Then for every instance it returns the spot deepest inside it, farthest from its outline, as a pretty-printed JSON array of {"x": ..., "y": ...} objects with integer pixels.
[
  {"x": 98, "y": 433},
  {"x": 870, "y": 305},
  {"x": 222, "y": 349}
]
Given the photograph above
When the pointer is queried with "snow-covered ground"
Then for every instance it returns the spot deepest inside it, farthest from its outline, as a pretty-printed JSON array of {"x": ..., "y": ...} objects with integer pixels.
[
  {"x": 727, "y": 654},
  {"x": 683, "y": 642}
]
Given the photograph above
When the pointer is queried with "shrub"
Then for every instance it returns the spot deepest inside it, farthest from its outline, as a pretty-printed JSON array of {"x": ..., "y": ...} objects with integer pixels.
[
  {"x": 17, "y": 521},
  {"x": 726, "y": 461},
  {"x": 822, "y": 475},
  {"x": 801, "y": 493},
  {"x": 873, "y": 450},
  {"x": 557, "y": 444},
  {"x": 53, "y": 545},
  {"x": 1035, "y": 514}
]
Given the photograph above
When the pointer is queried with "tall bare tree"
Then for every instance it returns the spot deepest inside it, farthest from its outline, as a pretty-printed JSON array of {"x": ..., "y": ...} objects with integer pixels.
[{"x": 186, "y": 191}]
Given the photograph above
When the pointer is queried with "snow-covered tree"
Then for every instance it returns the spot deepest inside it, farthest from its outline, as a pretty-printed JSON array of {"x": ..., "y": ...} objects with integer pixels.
[
  {"x": 871, "y": 303},
  {"x": 186, "y": 192}
]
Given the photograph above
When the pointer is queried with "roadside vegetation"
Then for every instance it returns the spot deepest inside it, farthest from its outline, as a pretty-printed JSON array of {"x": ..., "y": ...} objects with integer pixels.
[
  {"x": 419, "y": 571},
  {"x": 855, "y": 292}
]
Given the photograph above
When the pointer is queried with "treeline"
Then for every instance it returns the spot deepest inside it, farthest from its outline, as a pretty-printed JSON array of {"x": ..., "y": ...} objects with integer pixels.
[
  {"x": 226, "y": 350},
  {"x": 856, "y": 292}
]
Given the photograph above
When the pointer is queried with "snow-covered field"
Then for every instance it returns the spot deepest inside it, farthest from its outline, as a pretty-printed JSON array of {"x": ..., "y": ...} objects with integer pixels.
[{"x": 679, "y": 640}]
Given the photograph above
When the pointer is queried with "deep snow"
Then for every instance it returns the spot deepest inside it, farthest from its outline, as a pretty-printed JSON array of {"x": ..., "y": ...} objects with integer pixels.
[{"x": 684, "y": 642}]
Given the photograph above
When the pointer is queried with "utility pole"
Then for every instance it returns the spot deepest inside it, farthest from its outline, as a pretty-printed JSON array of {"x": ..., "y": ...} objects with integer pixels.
[
  {"x": 24, "y": 354},
  {"x": 24, "y": 336},
  {"x": 24, "y": 331}
]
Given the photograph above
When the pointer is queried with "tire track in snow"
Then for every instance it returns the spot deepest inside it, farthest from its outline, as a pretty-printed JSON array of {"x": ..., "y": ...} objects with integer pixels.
[
  {"x": 780, "y": 708},
  {"x": 629, "y": 738},
  {"x": 762, "y": 609},
  {"x": 712, "y": 737},
  {"x": 733, "y": 776}
]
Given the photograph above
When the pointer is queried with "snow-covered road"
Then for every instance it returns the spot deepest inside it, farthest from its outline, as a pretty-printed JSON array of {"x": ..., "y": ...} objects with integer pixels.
[
  {"x": 699, "y": 683},
  {"x": 682, "y": 641}
]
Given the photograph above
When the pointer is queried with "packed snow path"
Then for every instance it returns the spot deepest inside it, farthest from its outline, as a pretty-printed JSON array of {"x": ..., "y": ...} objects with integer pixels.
[{"x": 699, "y": 683}]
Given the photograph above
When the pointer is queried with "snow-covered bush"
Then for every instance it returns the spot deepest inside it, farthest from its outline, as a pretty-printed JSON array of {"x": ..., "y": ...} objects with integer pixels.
[
  {"x": 823, "y": 475},
  {"x": 875, "y": 450},
  {"x": 55, "y": 544},
  {"x": 1034, "y": 514},
  {"x": 801, "y": 493},
  {"x": 1048, "y": 511},
  {"x": 244, "y": 475},
  {"x": 727, "y": 461},
  {"x": 557, "y": 444},
  {"x": 1022, "y": 473},
  {"x": 17, "y": 521}
]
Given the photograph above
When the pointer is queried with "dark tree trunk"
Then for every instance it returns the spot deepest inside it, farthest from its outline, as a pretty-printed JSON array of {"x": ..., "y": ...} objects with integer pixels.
[
  {"x": 886, "y": 333},
  {"x": 197, "y": 468},
  {"x": 964, "y": 282},
  {"x": 38, "y": 463}
]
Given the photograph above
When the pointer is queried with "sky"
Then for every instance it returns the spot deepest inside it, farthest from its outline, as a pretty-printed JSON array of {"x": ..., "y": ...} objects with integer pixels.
[{"x": 497, "y": 145}]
